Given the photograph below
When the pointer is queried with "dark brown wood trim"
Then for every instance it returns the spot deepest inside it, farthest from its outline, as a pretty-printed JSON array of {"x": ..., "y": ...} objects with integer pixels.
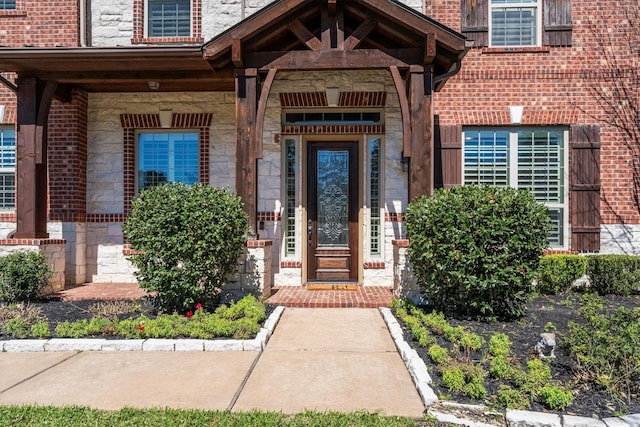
[
  {"x": 360, "y": 33},
  {"x": 304, "y": 35},
  {"x": 404, "y": 110},
  {"x": 262, "y": 106},
  {"x": 246, "y": 93},
  {"x": 334, "y": 59},
  {"x": 420, "y": 167}
]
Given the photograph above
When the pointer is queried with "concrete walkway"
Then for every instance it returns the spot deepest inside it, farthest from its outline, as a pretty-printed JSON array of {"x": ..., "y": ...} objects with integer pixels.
[{"x": 319, "y": 359}]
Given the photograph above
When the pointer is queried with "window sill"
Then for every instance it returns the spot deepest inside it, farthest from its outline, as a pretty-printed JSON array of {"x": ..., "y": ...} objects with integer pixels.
[
  {"x": 516, "y": 49},
  {"x": 166, "y": 40}
]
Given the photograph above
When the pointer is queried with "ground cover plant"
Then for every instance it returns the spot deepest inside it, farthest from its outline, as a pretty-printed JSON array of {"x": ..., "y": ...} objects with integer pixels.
[
  {"x": 595, "y": 372},
  {"x": 128, "y": 319}
]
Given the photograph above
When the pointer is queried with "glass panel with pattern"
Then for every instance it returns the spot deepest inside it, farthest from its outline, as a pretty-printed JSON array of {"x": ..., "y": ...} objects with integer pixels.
[
  {"x": 333, "y": 198},
  {"x": 514, "y": 23},
  {"x": 486, "y": 157},
  {"x": 290, "y": 195},
  {"x": 7, "y": 4},
  {"x": 7, "y": 169},
  {"x": 374, "y": 185},
  {"x": 167, "y": 157},
  {"x": 169, "y": 18}
]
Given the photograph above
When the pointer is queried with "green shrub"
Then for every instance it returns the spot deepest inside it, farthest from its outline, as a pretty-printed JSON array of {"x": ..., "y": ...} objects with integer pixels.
[
  {"x": 17, "y": 328},
  {"x": 499, "y": 344},
  {"x": 613, "y": 274},
  {"x": 475, "y": 389},
  {"x": 537, "y": 376},
  {"x": 512, "y": 399},
  {"x": 23, "y": 275},
  {"x": 248, "y": 307},
  {"x": 475, "y": 249},
  {"x": 77, "y": 329},
  {"x": 438, "y": 355},
  {"x": 188, "y": 240},
  {"x": 555, "y": 397},
  {"x": 557, "y": 272},
  {"x": 500, "y": 368},
  {"x": 40, "y": 329},
  {"x": 453, "y": 378},
  {"x": 606, "y": 346}
]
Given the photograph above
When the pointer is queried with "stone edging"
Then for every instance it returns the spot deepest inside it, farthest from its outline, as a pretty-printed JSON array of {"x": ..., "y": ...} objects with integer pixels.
[
  {"x": 151, "y": 344},
  {"x": 454, "y": 413}
]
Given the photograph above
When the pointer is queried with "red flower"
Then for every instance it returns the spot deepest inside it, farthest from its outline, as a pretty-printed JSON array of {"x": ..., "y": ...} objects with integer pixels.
[
  {"x": 189, "y": 314},
  {"x": 141, "y": 327},
  {"x": 198, "y": 306}
]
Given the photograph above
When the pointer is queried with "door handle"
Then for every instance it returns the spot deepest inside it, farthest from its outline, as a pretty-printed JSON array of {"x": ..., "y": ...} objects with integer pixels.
[{"x": 310, "y": 232}]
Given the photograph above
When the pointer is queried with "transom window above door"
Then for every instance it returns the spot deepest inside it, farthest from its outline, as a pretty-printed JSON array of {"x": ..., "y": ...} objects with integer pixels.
[
  {"x": 515, "y": 22},
  {"x": 168, "y": 18}
]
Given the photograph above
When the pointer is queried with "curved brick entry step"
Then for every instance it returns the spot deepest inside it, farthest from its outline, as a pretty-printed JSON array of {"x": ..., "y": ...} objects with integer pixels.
[
  {"x": 104, "y": 291},
  {"x": 361, "y": 297}
]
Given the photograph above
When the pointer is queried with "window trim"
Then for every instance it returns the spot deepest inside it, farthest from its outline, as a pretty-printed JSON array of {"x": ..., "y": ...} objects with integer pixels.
[
  {"x": 140, "y": 34},
  {"x": 131, "y": 123},
  {"x": 146, "y": 22},
  {"x": 538, "y": 21},
  {"x": 513, "y": 167}
]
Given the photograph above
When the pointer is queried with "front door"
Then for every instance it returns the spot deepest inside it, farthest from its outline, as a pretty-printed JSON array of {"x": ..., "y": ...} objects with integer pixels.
[{"x": 332, "y": 211}]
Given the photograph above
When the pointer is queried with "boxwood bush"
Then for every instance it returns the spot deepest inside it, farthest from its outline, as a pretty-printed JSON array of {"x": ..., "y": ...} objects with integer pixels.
[
  {"x": 188, "y": 239},
  {"x": 476, "y": 249},
  {"x": 613, "y": 274},
  {"x": 557, "y": 273},
  {"x": 23, "y": 275}
]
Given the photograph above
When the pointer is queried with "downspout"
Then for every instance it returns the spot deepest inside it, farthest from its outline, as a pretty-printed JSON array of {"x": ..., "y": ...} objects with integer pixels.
[
  {"x": 448, "y": 74},
  {"x": 84, "y": 15}
]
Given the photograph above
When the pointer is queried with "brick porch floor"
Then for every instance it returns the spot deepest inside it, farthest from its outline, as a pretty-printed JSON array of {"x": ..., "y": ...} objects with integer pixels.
[
  {"x": 290, "y": 296},
  {"x": 362, "y": 297}
]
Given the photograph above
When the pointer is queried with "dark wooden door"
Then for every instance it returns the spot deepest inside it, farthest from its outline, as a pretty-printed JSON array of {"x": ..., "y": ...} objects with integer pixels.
[{"x": 332, "y": 211}]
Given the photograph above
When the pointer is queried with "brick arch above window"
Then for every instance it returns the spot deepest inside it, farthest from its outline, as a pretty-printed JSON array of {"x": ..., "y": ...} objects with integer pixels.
[
  {"x": 139, "y": 26},
  {"x": 133, "y": 122}
]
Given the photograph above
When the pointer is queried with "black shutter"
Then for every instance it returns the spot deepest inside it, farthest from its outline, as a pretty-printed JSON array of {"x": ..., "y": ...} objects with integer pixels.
[
  {"x": 557, "y": 22},
  {"x": 475, "y": 21},
  {"x": 447, "y": 162},
  {"x": 585, "y": 188}
]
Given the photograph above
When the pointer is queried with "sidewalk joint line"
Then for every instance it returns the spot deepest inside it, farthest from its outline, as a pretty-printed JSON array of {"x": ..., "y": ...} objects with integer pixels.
[
  {"x": 24, "y": 380},
  {"x": 236, "y": 396}
]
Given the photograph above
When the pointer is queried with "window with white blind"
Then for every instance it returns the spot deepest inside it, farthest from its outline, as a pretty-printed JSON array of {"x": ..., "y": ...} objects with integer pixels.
[
  {"x": 7, "y": 4},
  {"x": 515, "y": 22},
  {"x": 167, "y": 157},
  {"x": 168, "y": 18},
  {"x": 7, "y": 168},
  {"x": 526, "y": 158}
]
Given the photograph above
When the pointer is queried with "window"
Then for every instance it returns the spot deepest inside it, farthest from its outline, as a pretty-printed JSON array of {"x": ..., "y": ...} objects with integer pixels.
[
  {"x": 290, "y": 198},
  {"x": 375, "y": 188},
  {"x": 533, "y": 159},
  {"x": 7, "y": 4},
  {"x": 167, "y": 157},
  {"x": 515, "y": 22},
  {"x": 168, "y": 18},
  {"x": 7, "y": 169}
]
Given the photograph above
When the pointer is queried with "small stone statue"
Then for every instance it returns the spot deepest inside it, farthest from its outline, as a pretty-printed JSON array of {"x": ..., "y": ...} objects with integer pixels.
[{"x": 547, "y": 340}]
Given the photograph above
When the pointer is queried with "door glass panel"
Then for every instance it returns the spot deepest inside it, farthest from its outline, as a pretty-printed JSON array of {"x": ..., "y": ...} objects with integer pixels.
[{"x": 333, "y": 198}]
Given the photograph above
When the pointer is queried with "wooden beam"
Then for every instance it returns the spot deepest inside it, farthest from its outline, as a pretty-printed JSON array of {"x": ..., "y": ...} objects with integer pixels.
[
  {"x": 398, "y": 81},
  {"x": 331, "y": 6},
  {"x": 360, "y": 33},
  {"x": 334, "y": 59},
  {"x": 332, "y": 26},
  {"x": 236, "y": 53},
  {"x": 262, "y": 106},
  {"x": 304, "y": 35},
  {"x": 34, "y": 103},
  {"x": 246, "y": 91},
  {"x": 421, "y": 166},
  {"x": 430, "y": 48}
]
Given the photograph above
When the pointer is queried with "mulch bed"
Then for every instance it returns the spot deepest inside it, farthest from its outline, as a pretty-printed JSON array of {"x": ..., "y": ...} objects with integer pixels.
[
  {"x": 589, "y": 400},
  {"x": 55, "y": 311}
]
